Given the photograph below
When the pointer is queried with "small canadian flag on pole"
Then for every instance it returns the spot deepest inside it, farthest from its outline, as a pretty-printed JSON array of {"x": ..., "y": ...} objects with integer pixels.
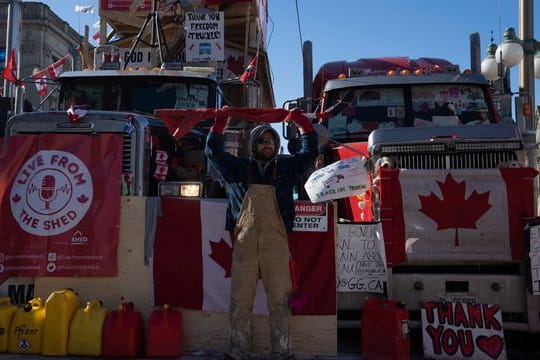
[
  {"x": 250, "y": 71},
  {"x": 50, "y": 72},
  {"x": 87, "y": 9},
  {"x": 10, "y": 72}
]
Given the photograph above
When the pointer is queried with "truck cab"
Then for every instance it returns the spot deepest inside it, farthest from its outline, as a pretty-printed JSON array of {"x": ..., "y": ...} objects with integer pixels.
[
  {"x": 407, "y": 102},
  {"x": 123, "y": 102},
  {"x": 140, "y": 91},
  {"x": 442, "y": 164}
]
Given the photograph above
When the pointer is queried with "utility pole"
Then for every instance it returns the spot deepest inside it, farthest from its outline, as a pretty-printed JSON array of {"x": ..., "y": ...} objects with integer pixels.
[
  {"x": 526, "y": 84},
  {"x": 307, "y": 57}
]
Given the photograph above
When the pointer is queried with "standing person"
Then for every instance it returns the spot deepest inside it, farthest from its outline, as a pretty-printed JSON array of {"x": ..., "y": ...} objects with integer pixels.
[{"x": 260, "y": 214}]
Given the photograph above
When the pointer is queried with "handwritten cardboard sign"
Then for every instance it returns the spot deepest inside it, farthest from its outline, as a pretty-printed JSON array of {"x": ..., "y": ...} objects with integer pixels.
[
  {"x": 455, "y": 330},
  {"x": 534, "y": 254},
  {"x": 338, "y": 180},
  {"x": 205, "y": 36},
  {"x": 360, "y": 258}
]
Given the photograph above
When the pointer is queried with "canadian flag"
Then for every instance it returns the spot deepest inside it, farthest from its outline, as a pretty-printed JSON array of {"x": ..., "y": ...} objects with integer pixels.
[
  {"x": 161, "y": 172},
  {"x": 216, "y": 279},
  {"x": 474, "y": 215},
  {"x": 75, "y": 113},
  {"x": 50, "y": 72},
  {"x": 250, "y": 71},
  {"x": 84, "y": 9},
  {"x": 10, "y": 72},
  {"x": 192, "y": 261},
  {"x": 162, "y": 168}
]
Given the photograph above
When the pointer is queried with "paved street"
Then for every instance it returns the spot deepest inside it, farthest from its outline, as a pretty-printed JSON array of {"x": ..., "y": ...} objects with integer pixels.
[{"x": 518, "y": 347}]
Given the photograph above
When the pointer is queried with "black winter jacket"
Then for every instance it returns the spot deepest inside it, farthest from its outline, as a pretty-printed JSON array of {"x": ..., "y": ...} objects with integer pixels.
[{"x": 283, "y": 174}]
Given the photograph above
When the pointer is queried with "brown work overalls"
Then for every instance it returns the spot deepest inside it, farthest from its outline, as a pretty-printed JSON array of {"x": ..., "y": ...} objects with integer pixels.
[{"x": 260, "y": 247}]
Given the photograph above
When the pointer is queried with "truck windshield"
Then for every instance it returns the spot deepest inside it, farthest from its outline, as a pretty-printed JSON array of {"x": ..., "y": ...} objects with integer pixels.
[
  {"x": 406, "y": 106},
  {"x": 141, "y": 94}
]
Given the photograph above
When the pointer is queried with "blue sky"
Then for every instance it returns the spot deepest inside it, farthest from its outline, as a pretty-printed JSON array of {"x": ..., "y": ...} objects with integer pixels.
[{"x": 352, "y": 29}]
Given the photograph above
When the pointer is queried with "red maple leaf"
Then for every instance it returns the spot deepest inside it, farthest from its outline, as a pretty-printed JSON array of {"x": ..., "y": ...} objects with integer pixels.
[
  {"x": 222, "y": 255},
  {"x": 453, "y": 211},
  {"x": 235, "y": 64}
]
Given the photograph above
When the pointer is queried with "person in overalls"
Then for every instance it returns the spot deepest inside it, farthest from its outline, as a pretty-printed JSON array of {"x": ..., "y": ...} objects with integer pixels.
[{"x": 260, "y": 214}]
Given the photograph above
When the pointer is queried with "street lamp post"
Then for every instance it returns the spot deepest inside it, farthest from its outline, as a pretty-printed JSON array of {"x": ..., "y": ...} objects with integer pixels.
[
  {"x": 526, "y": 82},
  {"x": 511, "y": 52},
  {"x": 526, "y": 53},
  {"x": 489, "y": 66},
  {"x": 495, "y": 68}
]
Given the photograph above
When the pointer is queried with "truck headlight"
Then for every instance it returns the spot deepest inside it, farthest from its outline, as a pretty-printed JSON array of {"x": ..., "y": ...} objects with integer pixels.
[{"x": 185, "y": 189}]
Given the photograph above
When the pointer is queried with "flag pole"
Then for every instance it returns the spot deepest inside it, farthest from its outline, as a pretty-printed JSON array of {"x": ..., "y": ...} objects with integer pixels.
[
  {"x": 246, "y": 36},
  {"x": 13, "y": 37}
]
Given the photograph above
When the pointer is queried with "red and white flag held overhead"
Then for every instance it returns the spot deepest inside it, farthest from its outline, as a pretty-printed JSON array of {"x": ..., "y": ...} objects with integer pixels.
[{"x": 250, "y": 71}]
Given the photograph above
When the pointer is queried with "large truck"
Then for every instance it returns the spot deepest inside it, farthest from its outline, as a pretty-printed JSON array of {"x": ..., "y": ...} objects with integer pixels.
[
  {"x": 117, "y": 96},
  {"x": 171, "y": 199},
  {"x": 123, "y": 101},
  {"x": 452, "y": 182}
]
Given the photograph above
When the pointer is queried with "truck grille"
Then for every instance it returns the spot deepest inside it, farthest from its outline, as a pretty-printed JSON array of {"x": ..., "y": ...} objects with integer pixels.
[
  {"x": 472, "y": 160},
  {"x": 451, "y": 154}
]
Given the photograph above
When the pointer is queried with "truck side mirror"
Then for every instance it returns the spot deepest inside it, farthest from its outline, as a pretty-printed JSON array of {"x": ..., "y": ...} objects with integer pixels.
[{"x": 289, "y": 130}]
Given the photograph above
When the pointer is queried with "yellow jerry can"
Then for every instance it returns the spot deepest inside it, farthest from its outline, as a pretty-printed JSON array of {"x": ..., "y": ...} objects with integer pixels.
[
  {"x": 7, "y": 310},
  {"x": 26, "y": 328},
  {"x": 86, "y": 330},
  {"x": 60, "y": 308}
]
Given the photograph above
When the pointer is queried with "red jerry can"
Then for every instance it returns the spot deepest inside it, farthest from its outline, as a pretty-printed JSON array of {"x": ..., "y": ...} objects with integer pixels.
[
  {"x": 164, "y": 333},
  {"x": 385, "y": 330},
  {"x": 123, "y": 333}
]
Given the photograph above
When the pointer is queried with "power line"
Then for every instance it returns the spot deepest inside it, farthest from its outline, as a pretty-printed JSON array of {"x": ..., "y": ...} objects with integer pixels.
[
  {"x": 500, "y": 28},
  {"x": 298, "y": 21},
  {"x": 271, "y": 31}
]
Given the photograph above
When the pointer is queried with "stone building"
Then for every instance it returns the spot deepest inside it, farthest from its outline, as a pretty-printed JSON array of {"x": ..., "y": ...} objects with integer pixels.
[{"x": 45, "y": 38}]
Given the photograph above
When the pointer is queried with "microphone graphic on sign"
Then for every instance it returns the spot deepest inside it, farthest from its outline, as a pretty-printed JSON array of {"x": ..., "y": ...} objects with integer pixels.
[{"x": 48, "y": 190}]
